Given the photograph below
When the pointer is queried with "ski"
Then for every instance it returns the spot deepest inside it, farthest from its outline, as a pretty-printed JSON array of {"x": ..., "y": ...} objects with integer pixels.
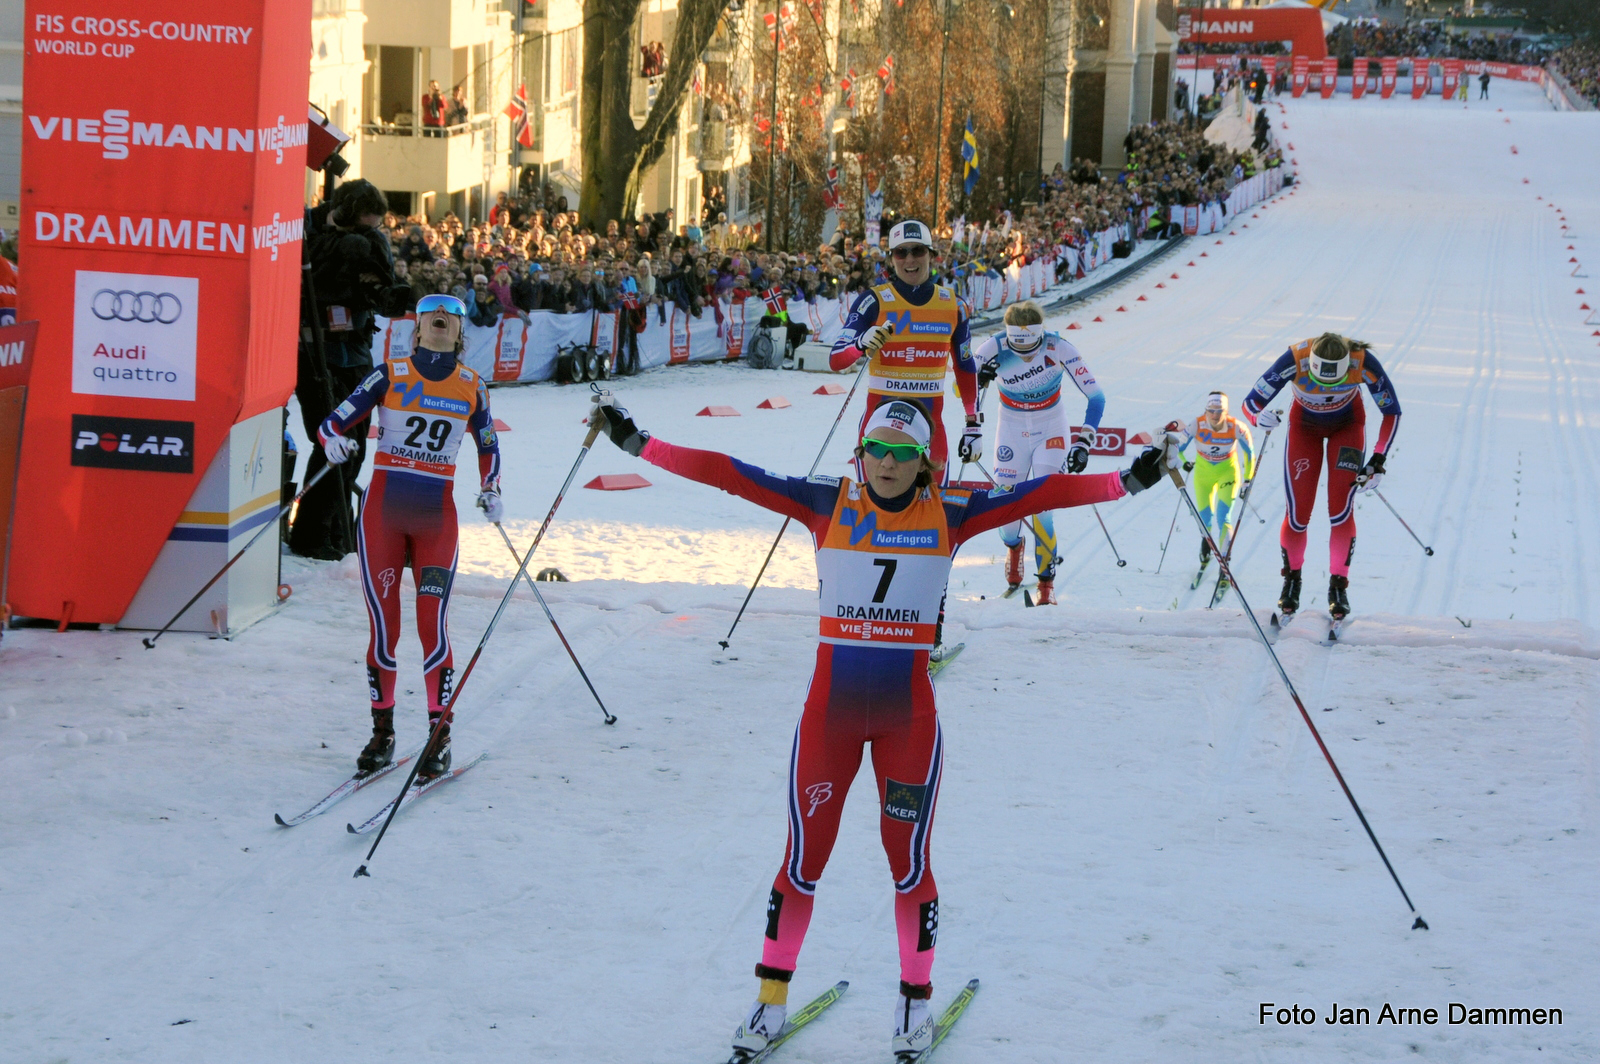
[
  {"x": 1014, "y": 588},
  {"x": 1277, "y": 625},
  {"x": 1219, "y": 592},
  {"x": 343, "y": 791},
  {"x": 816, "y": 1007},
  {"x": 941, "y": 1027},
  {"x": 417, "y": 791},
  {"x": 947, "y": 654},
  {"x": 1334, "y": 626},
  {"x": 1199, "y": 576}
]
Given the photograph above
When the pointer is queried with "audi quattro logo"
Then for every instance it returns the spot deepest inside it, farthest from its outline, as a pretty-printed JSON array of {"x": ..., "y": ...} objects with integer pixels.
[{"x": 161, "y": 308}]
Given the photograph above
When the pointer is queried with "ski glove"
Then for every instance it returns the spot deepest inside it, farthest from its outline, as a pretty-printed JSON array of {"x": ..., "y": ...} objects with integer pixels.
[
  {"x": 619, "y": 426},
  {"x": 988, "y": 372},
  {"x": 337, "y": 449},
  {"x": 874, "y": 338},
  {"x": 489, "y": 503},
  {"x": 1267, "y": 419},
  {"x": 1188, "y": 467},
  {"x": 971, "y": 447},
  {"x": 1145, "y": 471},
  {"x": 1078, "y": 456},
  {"x": 1372, "y": 474}
]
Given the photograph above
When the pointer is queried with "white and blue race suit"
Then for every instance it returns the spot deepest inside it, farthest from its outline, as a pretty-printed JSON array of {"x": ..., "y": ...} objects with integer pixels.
[{"x": 1034, "y": 434}]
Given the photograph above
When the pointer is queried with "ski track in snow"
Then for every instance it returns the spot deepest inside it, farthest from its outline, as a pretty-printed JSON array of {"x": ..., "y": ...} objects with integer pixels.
[{"x": 1138, "y": 841}]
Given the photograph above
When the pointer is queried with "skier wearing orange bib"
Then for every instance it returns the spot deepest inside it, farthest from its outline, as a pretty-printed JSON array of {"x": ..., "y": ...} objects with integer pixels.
[
  {"x": 883, "y": 563},
  {"x": 426, "y": 405}
]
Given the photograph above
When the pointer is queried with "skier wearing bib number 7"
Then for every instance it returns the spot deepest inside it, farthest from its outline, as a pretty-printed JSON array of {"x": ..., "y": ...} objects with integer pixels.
[
  {"x": 883, "y": 563},
  {"x": 1327, "y": 373},
  {"x": 426, "y": 404}
]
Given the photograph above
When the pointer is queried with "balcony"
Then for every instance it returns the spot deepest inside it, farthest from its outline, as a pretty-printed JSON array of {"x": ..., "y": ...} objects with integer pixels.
[{"x": 400, "y": 157}]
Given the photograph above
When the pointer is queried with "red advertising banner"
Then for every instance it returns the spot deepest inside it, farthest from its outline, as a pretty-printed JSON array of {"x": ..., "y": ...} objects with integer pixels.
[
  {"x": 1113, "y": 443},
  {"x": 1358, "y": 78},
  {"x": 163, "y": 165},
  {"x": 16, "y": 362},
  {"x": 1419, "y": 78},
  {"x": 510, "y": 347},
  {"x": 1330, "y": 76},
  {"x": 1391, "y": 72},
  {"x": 1215, "y": 25},
  {"x": 1514, "y": 71},
  {"x": 735, "y": 328},
  {"x": 1450, "y": 73},
  {"x": 1302, "y": 75}
]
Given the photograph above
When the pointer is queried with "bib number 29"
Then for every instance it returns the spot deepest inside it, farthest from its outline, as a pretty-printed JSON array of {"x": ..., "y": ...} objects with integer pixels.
[{"x": 438, "y": 432}]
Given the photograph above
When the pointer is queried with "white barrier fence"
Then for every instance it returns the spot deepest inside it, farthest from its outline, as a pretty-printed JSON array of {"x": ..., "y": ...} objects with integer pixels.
[{"x": 523, "y": 350}]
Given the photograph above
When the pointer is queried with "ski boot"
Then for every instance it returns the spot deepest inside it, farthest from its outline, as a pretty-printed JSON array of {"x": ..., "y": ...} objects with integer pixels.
[
  {"x": 913, "y": 1022},
  {"x": 1205, "y": 552},
  {"x": 1338, "y": 600},
  {"x": 1289, "y": 598},
  {"x": 766, "y": 1017},
  {"x": 1047, "y": 588},
  {"x": 438, "y": 762},
  {"x": 1014, "y": 566},
  {"x": 379, "y": 750}
]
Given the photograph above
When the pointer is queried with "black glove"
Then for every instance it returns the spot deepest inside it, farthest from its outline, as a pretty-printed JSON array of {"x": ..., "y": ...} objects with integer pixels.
[
  {"x": 988, "y": 372},
  {"x": 1188, "y": 467},
  {"x": 1144, "y": 472},
  {"x": 1371, "y": 474},
  {"x": 970, "y": 448},
  {"x": 1077, "y": 458},
  {"x": 619, "y": 426}
]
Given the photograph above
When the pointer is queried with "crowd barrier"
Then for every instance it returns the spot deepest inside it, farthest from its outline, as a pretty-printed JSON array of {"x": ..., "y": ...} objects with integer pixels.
[
  {"x": 1423, "y": 76},
  {"x": 524, "y": 349}
]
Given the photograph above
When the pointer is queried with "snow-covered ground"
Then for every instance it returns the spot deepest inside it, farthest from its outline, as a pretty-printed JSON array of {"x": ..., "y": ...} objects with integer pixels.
[{"x": 1138, "y": 842}]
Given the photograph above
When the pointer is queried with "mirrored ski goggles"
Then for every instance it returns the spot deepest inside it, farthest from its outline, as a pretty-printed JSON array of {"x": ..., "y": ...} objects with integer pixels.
[
  {"x": 900, "y": 452},
  {"x": 448, "y": 304}
]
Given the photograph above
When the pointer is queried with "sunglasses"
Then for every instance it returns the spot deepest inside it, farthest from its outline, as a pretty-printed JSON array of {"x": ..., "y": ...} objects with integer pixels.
[
  {"x": 909, "y": 251},
  {"x": 900, "y": 452},
  {"x": 448, "y": 304}
]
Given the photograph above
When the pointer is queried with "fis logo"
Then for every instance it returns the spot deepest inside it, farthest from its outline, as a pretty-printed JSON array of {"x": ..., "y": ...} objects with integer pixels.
[{"x": 818, "y": 794}]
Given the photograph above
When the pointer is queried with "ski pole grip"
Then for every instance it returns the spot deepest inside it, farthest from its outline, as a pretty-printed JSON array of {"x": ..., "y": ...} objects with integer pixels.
[
  {"x": 594, "y": 432},
  {"x": 1177, "y": 478}
]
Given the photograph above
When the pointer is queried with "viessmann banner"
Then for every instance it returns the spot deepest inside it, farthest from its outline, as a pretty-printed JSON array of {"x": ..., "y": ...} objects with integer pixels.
[{"x": 163, "y": 153}]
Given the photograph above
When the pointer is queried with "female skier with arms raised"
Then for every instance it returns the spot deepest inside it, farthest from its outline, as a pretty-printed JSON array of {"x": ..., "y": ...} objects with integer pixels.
[{"x": 883, "y": 563}]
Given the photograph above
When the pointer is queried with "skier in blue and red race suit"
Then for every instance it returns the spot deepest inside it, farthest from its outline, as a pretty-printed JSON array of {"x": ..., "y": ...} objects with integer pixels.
[
  {"x": 883, "y": 564},
  {"x": 1328, "y": 373},
  {"x": 426, "y": 404}
]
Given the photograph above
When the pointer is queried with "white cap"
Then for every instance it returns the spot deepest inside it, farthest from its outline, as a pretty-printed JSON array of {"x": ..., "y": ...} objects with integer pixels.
[
  {"x": 906, "y": 417},
  {"x": 1217, "y": 401},
  {"x": 910, "y": 231}
]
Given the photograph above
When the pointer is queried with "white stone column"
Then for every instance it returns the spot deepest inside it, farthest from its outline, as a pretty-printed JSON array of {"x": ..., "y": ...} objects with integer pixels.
[
  {"x": 1144, "y": 60},
  {"x": 1120, "y": 63},
  {"x": 1055, "y": 74}
]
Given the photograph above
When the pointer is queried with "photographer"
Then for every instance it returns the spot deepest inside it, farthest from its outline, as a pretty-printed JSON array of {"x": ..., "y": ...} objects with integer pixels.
[{"x": 350, "y": 271}]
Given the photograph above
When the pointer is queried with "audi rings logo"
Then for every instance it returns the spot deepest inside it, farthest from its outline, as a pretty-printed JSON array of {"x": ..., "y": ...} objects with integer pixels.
[{"x": 162, "y": 308}]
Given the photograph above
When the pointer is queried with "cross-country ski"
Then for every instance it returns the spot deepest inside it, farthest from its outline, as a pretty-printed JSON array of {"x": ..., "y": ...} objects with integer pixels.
[{"x": 343, "y": 791}]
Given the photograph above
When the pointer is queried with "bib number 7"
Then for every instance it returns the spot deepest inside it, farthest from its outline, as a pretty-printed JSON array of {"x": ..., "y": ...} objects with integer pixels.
[{"x": 888, "y": 565}]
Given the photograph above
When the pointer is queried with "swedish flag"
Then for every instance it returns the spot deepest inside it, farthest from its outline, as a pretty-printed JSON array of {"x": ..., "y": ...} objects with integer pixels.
[{"x": 969, "y": 158}]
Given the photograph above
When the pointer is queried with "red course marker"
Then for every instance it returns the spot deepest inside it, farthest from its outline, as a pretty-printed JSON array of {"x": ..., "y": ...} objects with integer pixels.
[
  {"x": 617, "y": 482},
  {"x": 1141, "y": 299},
  {"x": 830, "y": 389},
  {"x": 1075, "y": 325},
  {"x": 777, "y": 402},
  {"x": 1098, "y": 318},
  {"x": 501, "y": 426},
  {"x": 717, "y": 411},
  {"x": 1124, "y": 310}
]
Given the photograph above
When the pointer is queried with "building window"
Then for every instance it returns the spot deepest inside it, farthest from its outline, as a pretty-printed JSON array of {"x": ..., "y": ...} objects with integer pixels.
[{"x": 569, "y": 61}]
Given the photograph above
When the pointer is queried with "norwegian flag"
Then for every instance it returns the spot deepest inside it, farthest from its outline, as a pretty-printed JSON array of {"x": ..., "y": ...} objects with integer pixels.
[
  {"x": 886, "y": 74},
  {"x": 847, "y": 86},
  {"x": 517, "y": 111},
  {"x": 830, "y": 189},
  {"x": 781, "y": 25}
]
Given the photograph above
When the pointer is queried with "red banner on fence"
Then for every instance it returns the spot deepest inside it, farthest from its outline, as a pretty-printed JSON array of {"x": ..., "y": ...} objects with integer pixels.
[
  {"x": 1213, "y": 25},
  {"x": 163, "y": 165},
  {"x": 1113, "y": 443},
  {"x": 1450, "y": 73},
  {"x": 1330, "y": 76},
  {"x": 1302, "y": 75},
  {"x": 1419, "y": 78},
  {"x": 1391, "y": 73},
  {"x": 678, "y": 337}
]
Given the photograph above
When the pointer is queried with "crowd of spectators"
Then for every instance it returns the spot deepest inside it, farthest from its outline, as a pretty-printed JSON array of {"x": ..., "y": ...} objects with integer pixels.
[
  {"x": 527, "y": 258},
  {"x": 1580, "y": 65},
  {"x": 1431, "y": 40}
]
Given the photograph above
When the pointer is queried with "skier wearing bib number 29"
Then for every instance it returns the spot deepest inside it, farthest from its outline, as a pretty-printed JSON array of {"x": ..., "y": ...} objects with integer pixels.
[
  {"x": 1035, "y": 436},
  {"x": 883, "y": 563},
  {"x": 426, "y": 403},
  {"x": 1327, "y": 374}
]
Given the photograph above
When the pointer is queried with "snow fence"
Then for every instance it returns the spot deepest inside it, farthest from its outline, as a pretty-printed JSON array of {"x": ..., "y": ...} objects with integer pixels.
[{"x": 524, "y": 349}]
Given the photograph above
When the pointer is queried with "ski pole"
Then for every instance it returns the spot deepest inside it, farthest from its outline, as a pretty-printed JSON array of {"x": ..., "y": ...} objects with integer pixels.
[
  {"x": 1301, "y": 706},
  {"x": 723, "y": 642},
  {"x": 150, "y": 641},
  {"x": 534, "y": 587},
  {"x": 1425, "y": 548},
  {"x": 455, "y": 696},
  {"x": 1120, "y": 563},
  {"x": 1170, "y": 529}
]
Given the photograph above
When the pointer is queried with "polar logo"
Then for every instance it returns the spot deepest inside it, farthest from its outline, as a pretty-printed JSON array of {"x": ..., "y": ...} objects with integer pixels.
[
  {"x": 132, "y": 443},
  {"x": 1300, "y": 466},
  {"x": 818, "y": 794}
]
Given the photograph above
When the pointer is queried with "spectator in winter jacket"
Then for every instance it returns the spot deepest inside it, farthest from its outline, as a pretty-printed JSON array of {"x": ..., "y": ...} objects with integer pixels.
[
  {"x": 483, "y": 309},
  {"x": 434, "y": 107}
]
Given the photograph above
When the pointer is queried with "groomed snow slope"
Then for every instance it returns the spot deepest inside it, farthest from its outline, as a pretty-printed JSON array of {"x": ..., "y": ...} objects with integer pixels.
[{"x": 1137, "y": 842}]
